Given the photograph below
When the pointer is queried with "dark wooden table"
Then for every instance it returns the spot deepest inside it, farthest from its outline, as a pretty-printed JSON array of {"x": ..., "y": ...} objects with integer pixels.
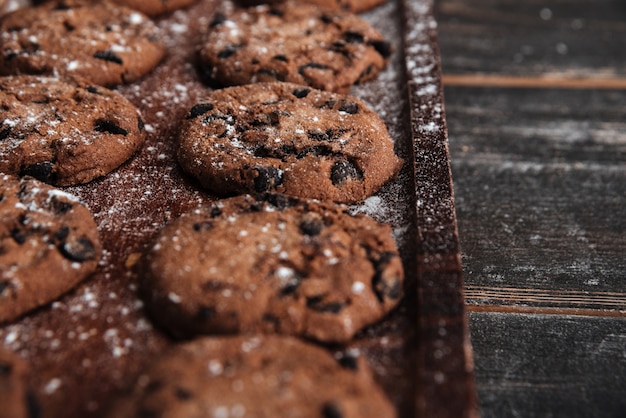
[{"x": 535, "y": 95}]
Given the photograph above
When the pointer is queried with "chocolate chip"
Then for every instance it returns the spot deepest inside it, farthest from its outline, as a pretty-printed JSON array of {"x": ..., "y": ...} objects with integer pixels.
[
  {"x": 60, "y": 207},
  {"x": 317, "y": 304},
  {"x": 102, "y": 125},
  {"x": 215, "y": 211},
  {"x": 32, "y": 405},
  {"x": 153, "y": 387},
  {"x": 4, "y": 134},
  {"x": 291, "y": 287},
  {"x": 69, "y": 27},
  {"x": 5, "y": 368},
  {"x": 326, "y": 19},
  {"x": 61, "y": 7},
  {"x": 385, "y": 286},
  {"x": 384, "y": 48},
  {"x": 331, "y": 410},
  {"x": 349, "y": 107},
  {"x": 228, "y": 51},
  {"x": 41, "y": 171},
  {"x": 183, "y": 394},
  {"x": 92, "y": 89},
  {"x": 3, "y": 286},
  {"x": 140, "y": 124},
  {"x": 313, "y": 65},
  {"x": 311, "y": 225},
  {"x": 276, "y": 12},
  {"x": 268, "y": 72},
  {"x": 18, "y": 235},
  {"x": 267, "y": 178},
  {"x": 348, "y": 362},
  {"x": 199, "y": 109},
  {"x": 279, "y": 201},
  {"x": 301, "y": 92},
  {"x": 354, "y": 37},
  {"x": 344, "y": 170},
  {"x": 62, "y": 233},
  {"x": 109, "y": 56},
  {"x": 218, "y": 19},
  {"x": 202, "y": 226},
  {"x": 281, "y": 57},
  {"x": 80, "y": 250},
  {"x": 205, "y": 313}
]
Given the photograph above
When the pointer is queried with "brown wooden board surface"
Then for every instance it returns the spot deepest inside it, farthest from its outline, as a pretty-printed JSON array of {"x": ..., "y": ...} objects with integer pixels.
[{"x": 535, "y": 107}]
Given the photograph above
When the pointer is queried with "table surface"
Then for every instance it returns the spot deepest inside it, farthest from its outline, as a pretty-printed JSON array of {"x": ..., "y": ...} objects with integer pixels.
[{"x": 535, "y": 95}]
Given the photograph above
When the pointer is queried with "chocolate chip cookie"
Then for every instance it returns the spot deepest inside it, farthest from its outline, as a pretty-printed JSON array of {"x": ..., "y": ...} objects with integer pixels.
[
  {"x": 155, "y": 7},
  {"x": 48, "y": 243},
  {"x": 294, "y": 42},
  {"x": 254, "y": 376},
  {"x": 102, "y": 42},
  {"x": 287, "y": 138},
  {"x": 64, "y": 131},
  {"x": 272, "y": 264}
]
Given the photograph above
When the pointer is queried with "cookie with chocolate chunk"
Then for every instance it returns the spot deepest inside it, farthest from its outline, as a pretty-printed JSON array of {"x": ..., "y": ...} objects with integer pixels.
[
  {"x": 258, "y": 376},
  {"x": 48, "y": 243},
  {"x": 64, "y": 131},
  {"x": 272, "y": 264},
  {"x": 155, "y": 7},
  {"x": 287, "y": 138},
  {"x": 105, "y": 43},
  {"x": 293, "y": 42}
]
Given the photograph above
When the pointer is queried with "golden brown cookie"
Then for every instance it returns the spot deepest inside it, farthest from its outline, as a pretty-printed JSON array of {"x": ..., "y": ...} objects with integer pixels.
[
  {"x": 294, "y": 42},
  {"x": 272, "y": 264},
  {"x": 102, "y": 42},
  {"x": 64, "y": 131},
  {"x": 48, "y": 243},
  {"x": 254, "y": 376},
  {"x": 287, "y": 138}
]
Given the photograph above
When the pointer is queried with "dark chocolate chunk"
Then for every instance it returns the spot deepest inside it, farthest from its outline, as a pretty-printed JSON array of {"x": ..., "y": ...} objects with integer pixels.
[
  {"x": 344, "y": 170},
  {"x": 268, "y": 72},
  {"x": 228, "y": 51},
  {"x": 331, "y": 410},
  {"x": 215, "y": 211},
  {"x": 317, "y": 303},
  {"x": 41, "y": 171},
  {"x": 313, "y": 65},
  {"x": 301, "y": 92},
  {"x": 199, "y": 109},
  {"x": 281, "y": 57},
  {"x": 267, "y": 178},
  {"x": 93, "y": 89},
  {"x": 4, "y": 134},
  {"x": 218, "y": 19},
  {"x": 102, "y": 125},
  {"x": 202, "y": 226},
  {"x": 3, "y": 286},
  {"x": 18, "y": 235},
  {"x": 349, "y": 107},
  {"x": 279, "y": 201},
  {"x": 205, "y": 313},
  {"x": 60, "y": 207},
  {"x": 385, "y": 286},
  {"x": 311, "y": 225},
  {"x": 32, "y": 405},
  {"x": 183, "y": 394},
  {"x": 153, "y": 387},
  {"x": 354, "y": 37},
  {"x": 5, "y": 368},
  {"x": 291, "y": 287},
  {"x": 109, "y": 56},
  {"x": 384, "y": 48},
  {"x": 79, "y": 250},
  {"x": 348, "y": 361},
  {"x": 62, "y": 233}
]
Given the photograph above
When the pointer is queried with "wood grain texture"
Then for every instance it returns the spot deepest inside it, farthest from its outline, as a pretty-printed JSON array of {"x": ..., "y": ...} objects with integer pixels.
[
  {"x": 534, "y": 38},
  {"x": 549, "y": 366}
]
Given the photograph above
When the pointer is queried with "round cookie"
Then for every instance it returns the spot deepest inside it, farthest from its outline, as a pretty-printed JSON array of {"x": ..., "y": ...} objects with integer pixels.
[
  {"x": 16, "y": 400},
  {"x": 254, "y": 376},
  {"x": 102, "y": 42},
  {"x": 272, "y": 264},
  {"x": 293, "y": 42},
  {"x": 155, "y": 7},
  {"x": 48, "y": 243},
  {"x": 64, "y": 131},
  {"x": 287, "y": 138}
]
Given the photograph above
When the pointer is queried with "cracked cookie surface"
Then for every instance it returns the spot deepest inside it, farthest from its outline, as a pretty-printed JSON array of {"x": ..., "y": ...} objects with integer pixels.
[
  {"x": 64, "y": 131},
  {"x": 105, "y": 43},
  {"x": 293, "y": 42},
  {"x": 48, "y": 243},
  {"x": 272, "y": 264},
  {"x": 287, "y": 138}
]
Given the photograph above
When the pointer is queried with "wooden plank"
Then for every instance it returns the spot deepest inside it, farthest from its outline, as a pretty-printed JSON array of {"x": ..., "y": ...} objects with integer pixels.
[
  {"x": 549, "y": 366},
  {"x": 549, "y": 81},
  {"x": 540, "y": 184},
  {"x": 574, "y": 38}
]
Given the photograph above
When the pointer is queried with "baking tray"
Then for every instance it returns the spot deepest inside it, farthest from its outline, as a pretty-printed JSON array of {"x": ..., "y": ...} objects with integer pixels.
[{"x": 92, "y": 343}]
